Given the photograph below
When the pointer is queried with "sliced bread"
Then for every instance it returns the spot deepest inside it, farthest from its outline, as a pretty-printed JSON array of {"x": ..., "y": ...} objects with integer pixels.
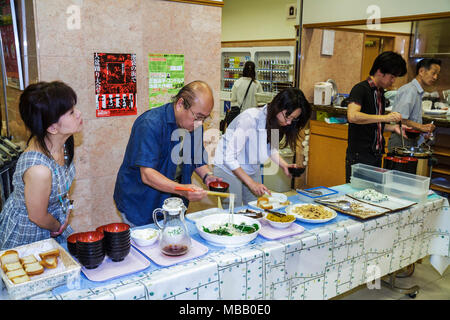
[
  {"x": 33, "y": 269},
  {"x": 49, "y": 253},
  {"x": 12, "y": 266},
  {"x": 21, "y": 279},
  {"x": 9, "y": 256},
  {"x": 28, "y": 259},
  {"x": 50, "y": 262},
  {"x": 15, "y": 273}
]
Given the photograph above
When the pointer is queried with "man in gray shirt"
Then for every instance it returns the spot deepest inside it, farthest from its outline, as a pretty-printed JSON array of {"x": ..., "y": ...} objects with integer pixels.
[{"x": 408, "y": 101}]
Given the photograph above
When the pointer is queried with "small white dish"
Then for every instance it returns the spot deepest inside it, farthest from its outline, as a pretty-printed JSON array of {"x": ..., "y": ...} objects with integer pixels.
[
  {"x": 275, "y": 200},
  {"x": 279, "y": 225},
  {"x": 144, "y": 237}
]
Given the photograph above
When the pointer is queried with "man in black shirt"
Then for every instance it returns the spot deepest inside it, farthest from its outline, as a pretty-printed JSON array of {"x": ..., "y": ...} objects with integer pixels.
[{"x": 365, "y": 112}]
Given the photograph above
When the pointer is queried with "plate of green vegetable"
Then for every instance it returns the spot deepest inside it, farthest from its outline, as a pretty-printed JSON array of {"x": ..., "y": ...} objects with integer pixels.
[{"x": 229, "y": 230}]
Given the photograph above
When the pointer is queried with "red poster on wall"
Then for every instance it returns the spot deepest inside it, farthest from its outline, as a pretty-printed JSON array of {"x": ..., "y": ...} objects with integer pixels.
[{"x": 115, "y": 84}]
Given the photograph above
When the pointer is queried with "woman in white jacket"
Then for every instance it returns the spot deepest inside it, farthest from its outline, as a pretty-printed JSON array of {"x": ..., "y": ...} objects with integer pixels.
[
  {"x": 242, "y": 84},
  {"x": 253, "y": 137}
]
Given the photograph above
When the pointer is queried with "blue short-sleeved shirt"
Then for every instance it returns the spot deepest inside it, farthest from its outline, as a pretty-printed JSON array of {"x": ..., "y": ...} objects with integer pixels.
[{"x": 155, "y": 143}]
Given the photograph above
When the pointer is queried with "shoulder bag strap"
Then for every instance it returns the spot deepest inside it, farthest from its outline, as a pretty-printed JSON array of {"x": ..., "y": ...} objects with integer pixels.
[{"x": 245, "y": 95}]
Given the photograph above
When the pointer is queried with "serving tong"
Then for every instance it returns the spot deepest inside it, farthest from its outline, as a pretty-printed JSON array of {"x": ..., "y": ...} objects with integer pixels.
[
  {"x": 278, "y": 214},
  {"x": 310, "y": 192},
  {"x": 340, "y": 204}
]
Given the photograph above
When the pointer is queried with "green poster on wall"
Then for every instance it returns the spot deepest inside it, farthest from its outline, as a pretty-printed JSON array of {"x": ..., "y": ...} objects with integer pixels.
[{"x": 166, "y": 77}]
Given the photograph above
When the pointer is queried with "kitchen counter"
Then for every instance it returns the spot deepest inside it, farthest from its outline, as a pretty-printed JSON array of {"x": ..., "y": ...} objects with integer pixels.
[
  {"x": 324, "y": 261},
  {"x": 439, "y": 121}
]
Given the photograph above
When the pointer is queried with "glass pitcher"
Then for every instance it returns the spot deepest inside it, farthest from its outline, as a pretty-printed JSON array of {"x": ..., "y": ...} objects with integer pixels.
[{"x": 174, "y": 239}]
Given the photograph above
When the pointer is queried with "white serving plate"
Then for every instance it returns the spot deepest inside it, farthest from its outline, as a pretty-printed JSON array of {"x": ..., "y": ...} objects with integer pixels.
[
  {"x": 194, "y": 216},
  {"x": 275, "y": 199},
  {"x": 227, "y": 241},
  {"x": 290, "y": 208},
  {"x": 434, "y": 111}
]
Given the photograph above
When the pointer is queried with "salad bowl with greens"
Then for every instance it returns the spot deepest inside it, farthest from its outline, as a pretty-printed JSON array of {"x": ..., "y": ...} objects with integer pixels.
[{"x": 229, "y": 230}]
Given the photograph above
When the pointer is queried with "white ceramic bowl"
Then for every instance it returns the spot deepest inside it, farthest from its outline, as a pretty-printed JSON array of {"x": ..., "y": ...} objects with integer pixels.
[
  {"x": 279, "y": 225},
  {"x": 144, "y": 237},
  {"x": 227, "y": 241}
]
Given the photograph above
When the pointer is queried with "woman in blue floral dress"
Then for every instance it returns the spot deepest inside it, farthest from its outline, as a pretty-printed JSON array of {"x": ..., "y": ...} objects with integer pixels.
[{"x": 39, "y": 206}]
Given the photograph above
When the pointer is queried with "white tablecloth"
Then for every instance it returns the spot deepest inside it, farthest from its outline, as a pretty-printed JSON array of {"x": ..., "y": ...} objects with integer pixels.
[{"x": 320, "y": 263}]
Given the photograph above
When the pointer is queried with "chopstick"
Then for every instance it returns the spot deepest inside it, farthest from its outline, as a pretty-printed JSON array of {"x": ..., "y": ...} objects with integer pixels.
[
  {"x": 219, "y": 194},
  {"x": 278, "y": 214},
  {"x": 210, "y": 193}
]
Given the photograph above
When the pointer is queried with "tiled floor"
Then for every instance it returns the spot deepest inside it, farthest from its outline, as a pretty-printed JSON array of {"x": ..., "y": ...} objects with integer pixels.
[{"x": 432, "y": 286}]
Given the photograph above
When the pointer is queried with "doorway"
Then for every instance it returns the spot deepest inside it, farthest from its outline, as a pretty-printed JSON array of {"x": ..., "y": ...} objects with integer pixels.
[{"x": 373, "y": 46}]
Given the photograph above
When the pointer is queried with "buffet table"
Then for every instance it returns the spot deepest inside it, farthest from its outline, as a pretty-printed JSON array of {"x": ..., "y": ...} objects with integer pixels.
[{"x": 324, "y": 261}]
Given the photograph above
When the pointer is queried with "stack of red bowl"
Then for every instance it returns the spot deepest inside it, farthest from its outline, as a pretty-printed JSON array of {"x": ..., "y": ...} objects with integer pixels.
[
  {"x": 90, "y": 250},
  {"x": 72, "y": 244},
  {"x": 117, "y": 240}
]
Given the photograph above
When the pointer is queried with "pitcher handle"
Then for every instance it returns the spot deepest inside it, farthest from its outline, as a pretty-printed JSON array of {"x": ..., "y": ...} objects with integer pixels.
[{"x": 154, "y": 217}]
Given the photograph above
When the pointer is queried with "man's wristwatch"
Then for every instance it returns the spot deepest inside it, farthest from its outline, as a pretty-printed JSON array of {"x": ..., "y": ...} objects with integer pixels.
[{"x": 206, "y": 176}]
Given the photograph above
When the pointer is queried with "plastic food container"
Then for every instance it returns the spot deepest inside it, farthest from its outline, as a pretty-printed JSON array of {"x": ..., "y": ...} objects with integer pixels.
[
  {"x": 395, "y": 183},
  {"x": 369, "y": 173},
  {"x": 407, "y": 186}
]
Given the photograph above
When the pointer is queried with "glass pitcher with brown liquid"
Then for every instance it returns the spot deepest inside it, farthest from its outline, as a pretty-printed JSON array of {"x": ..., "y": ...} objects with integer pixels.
[{"x": 174, "y": 239}]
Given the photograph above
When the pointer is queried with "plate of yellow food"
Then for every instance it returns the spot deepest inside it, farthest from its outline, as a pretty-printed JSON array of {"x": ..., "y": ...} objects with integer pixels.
[
  {"x": 311, "y": 213},
  {"x": 271, "y": 202}
]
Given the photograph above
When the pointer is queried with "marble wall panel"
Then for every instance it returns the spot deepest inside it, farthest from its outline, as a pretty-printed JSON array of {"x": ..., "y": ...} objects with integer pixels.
[{"x": 65, "y": 52}]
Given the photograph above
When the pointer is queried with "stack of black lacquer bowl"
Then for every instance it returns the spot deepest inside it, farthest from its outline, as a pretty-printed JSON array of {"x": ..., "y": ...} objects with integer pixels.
[
  {"x": 117, "y": 240},
  {"x": 90, "y": 249}
]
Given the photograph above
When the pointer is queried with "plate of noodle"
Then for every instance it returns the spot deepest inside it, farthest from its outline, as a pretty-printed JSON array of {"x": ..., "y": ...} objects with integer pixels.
[{"x": 311, "y": 213}]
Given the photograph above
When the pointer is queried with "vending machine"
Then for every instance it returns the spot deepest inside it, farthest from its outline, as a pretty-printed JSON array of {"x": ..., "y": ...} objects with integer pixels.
[{"x": 274, "y": 69}]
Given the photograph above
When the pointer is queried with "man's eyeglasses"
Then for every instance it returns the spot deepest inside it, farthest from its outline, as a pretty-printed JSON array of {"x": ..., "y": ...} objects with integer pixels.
[
  {"x": 292, "y": 120},
  {"x": 197, "y": 117}
]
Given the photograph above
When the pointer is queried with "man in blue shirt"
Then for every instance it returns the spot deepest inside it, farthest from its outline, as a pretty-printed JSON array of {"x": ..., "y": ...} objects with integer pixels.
[
  {"x": 164, "y": 149},
  {"x": 408, "y": 101}
]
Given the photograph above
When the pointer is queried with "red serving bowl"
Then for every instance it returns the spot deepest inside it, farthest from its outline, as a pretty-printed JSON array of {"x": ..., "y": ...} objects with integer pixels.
[
  {"x": 100, "y": 229},
  {"x": 412, "y": 133},
  {"x": 73, "y": 238},
  {"x": 90, "y": 236},
  {"x": 116, "y": 227},
  {"x": 72, "y": 243},
  {"x": 218, "y": 186}
]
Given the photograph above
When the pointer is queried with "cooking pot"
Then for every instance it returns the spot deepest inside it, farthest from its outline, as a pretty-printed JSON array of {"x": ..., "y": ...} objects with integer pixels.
[{"x": 423, "y": 156}]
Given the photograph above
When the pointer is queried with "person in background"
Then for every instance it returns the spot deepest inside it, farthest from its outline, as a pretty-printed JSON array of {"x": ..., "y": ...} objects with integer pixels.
[
  {"x": 253, "y": 137},
  {"x": 408, "y": 102},
  {"x": 164, "y": 149},
  {"x": 39, "y": 206},
  {"x": 366, "y": 112},
  {"x": 243, "y": 93},
  {"x": 247, "y": 81}
]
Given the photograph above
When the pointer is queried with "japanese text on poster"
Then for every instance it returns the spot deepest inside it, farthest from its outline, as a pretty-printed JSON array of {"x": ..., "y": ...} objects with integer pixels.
[
  {"x": 166, "y": 77},
  {"x": 115, "y": 84}
]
